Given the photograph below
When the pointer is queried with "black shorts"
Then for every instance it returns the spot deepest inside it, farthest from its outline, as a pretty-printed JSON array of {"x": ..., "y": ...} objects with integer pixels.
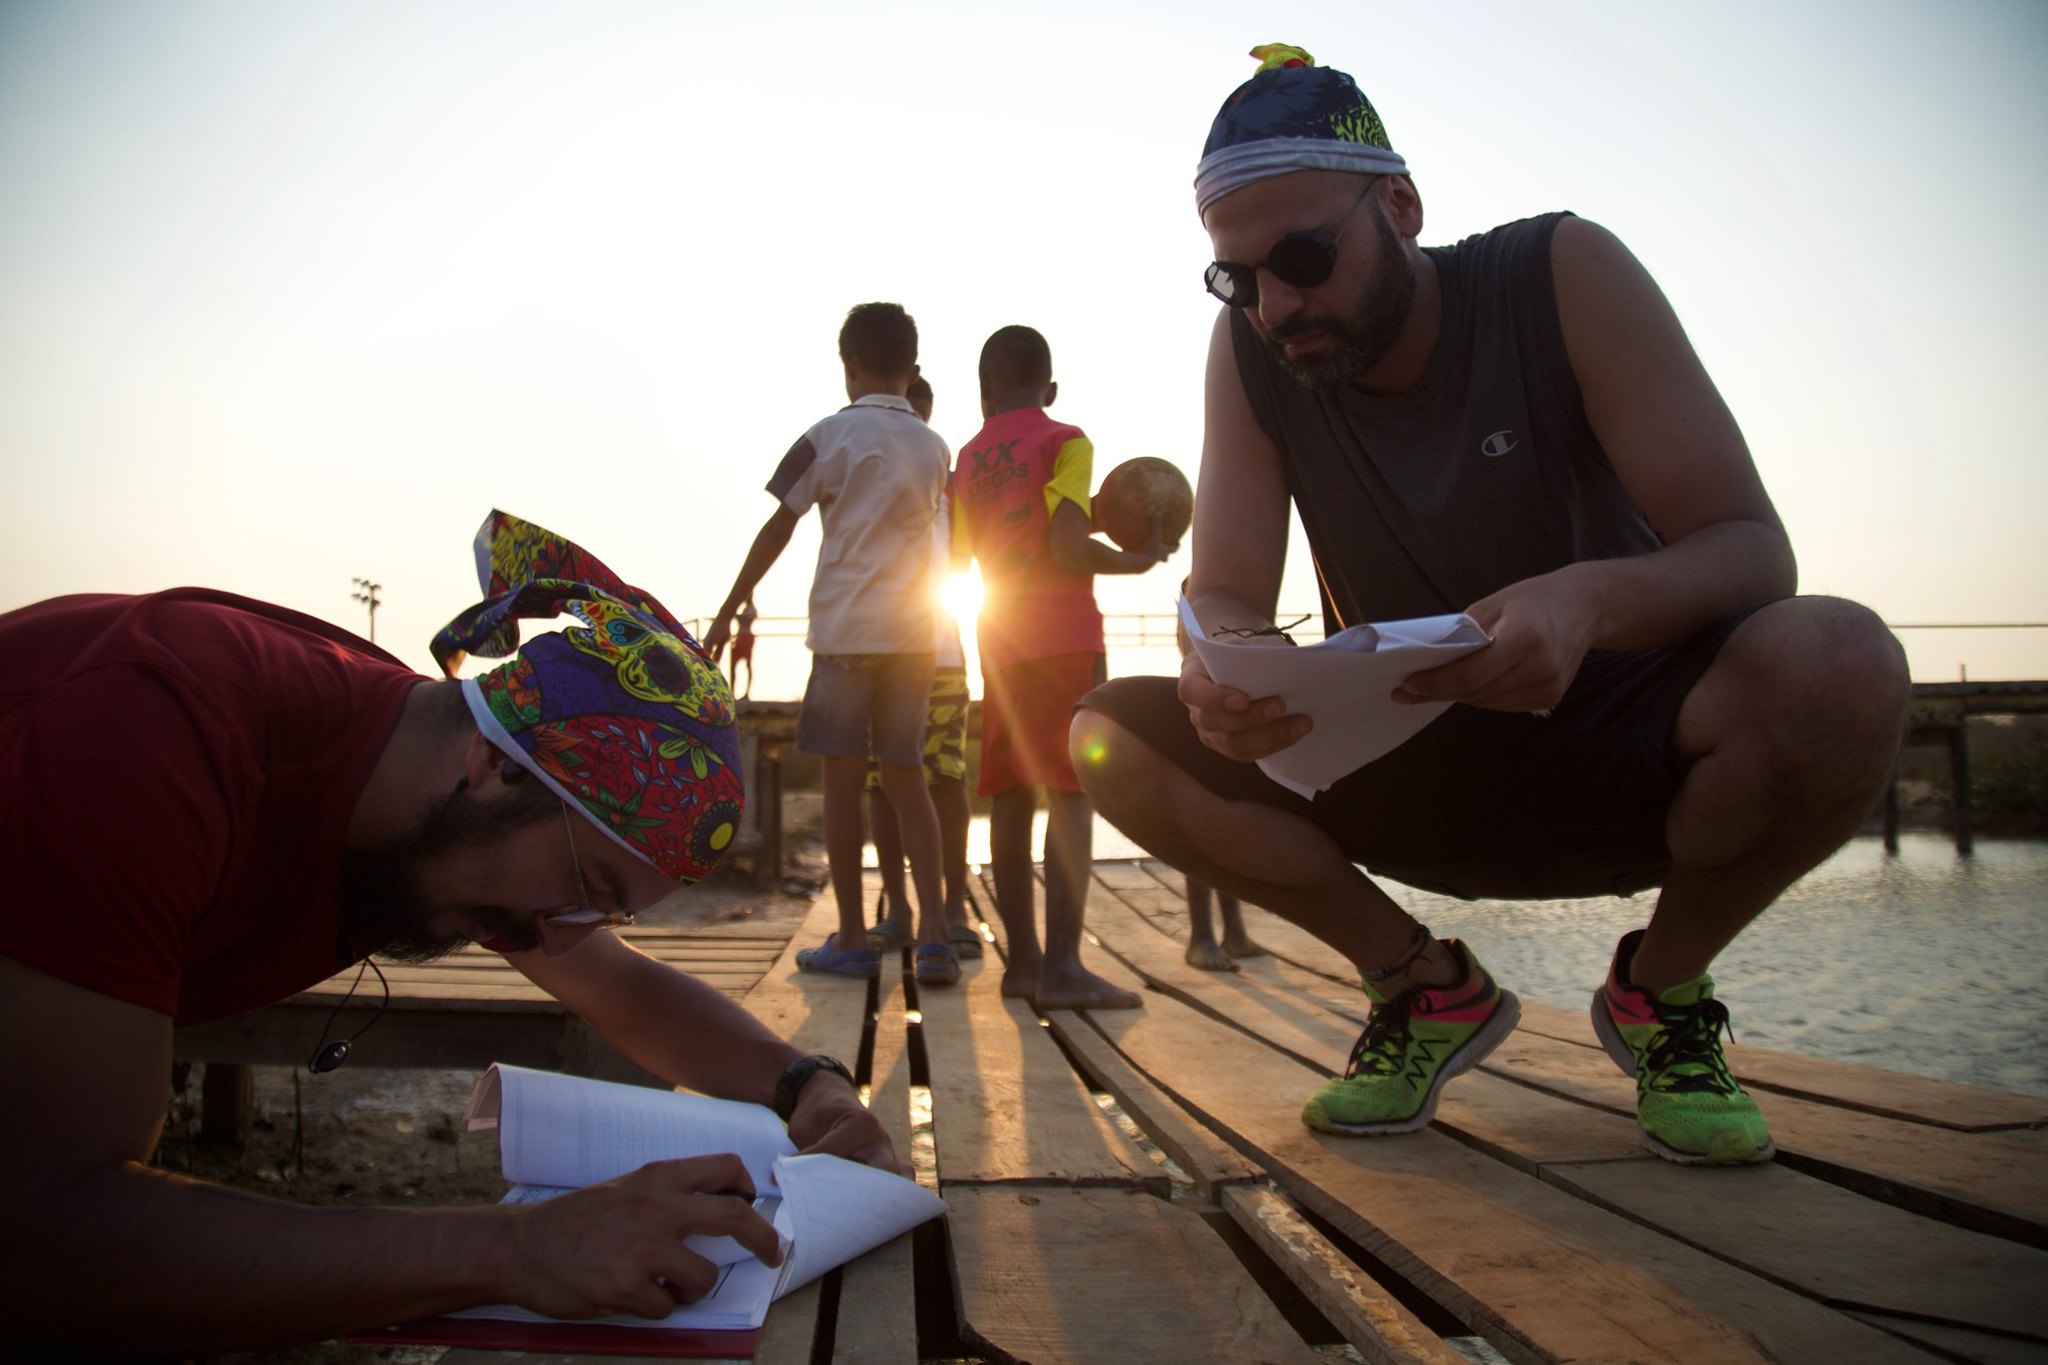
[{"x": 1487, "y": 803}]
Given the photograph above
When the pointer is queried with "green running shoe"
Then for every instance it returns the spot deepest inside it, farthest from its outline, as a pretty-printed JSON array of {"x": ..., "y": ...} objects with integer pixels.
[
  {"x": 1688, "y": 1106},
  {"x": 1412, "y": 1044}
]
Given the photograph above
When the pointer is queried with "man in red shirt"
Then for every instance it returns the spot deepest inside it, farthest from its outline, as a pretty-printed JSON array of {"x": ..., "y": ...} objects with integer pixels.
[{"x": 213, "y": 803}]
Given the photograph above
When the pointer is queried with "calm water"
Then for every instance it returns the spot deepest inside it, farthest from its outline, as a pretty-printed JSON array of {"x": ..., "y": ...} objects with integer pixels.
[{"x": 1924, "y": 961}]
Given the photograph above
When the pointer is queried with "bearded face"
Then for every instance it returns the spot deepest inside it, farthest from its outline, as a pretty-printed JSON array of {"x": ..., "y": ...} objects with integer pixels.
[
  {"x": 1362, "y": 339},
  {"x": 382, "y": 907}
]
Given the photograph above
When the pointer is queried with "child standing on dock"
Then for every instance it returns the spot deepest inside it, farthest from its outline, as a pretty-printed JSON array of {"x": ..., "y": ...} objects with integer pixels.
[
  {"x": 1021, "y": 500},
  {"x": 945, "y": 765},
  {"x": 875, "y": 472}
]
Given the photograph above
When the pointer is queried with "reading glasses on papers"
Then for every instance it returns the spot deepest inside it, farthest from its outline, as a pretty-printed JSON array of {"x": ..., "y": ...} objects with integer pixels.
[{"x": 585, "y": 913}]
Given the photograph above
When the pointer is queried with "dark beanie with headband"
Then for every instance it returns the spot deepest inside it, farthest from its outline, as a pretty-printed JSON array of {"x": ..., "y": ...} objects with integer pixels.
[
  {"x": 625, "y": 718},
  {"x": 1291, "y": 116}
]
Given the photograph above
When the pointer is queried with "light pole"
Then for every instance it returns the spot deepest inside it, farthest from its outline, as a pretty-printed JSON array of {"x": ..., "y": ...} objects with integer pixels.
[{"x": 368, "y": 596}]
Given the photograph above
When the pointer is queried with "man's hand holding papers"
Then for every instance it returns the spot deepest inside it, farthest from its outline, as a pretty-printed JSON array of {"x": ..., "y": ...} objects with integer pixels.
[{"x": 1254, "y": 702}]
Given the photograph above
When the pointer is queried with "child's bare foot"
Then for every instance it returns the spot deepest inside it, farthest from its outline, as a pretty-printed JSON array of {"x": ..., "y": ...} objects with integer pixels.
[
  {"x": 1209, "y": 956},
  {"x": 1020, "y": 983},
  {"x": 1080, "y": 989},
  {"x": 1241, "y": 945}
]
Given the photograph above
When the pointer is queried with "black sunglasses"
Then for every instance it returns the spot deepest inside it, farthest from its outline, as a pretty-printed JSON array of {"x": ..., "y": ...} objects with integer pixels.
[{"x": 1300, "y": 259}]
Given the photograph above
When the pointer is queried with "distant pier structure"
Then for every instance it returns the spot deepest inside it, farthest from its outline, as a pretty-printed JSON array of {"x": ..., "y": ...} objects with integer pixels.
[{"x": 1939, "y": 715}]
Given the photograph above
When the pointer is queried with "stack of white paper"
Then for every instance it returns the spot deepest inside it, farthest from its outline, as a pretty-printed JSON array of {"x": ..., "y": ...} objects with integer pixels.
[
  {"x": 1345, "y": 684},
  {"x": 556, "y": 1133}
]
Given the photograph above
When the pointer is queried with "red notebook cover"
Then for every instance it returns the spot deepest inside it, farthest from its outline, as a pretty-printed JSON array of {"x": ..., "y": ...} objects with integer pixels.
[{"x": 596, "y": 1338}]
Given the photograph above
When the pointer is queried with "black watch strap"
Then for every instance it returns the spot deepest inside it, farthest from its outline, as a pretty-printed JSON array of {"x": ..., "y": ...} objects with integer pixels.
[{"x": 799, "y": 1074}]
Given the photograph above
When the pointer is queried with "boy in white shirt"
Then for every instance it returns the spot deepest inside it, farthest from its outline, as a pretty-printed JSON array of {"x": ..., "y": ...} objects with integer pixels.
[{"x": 875, "y": 472}]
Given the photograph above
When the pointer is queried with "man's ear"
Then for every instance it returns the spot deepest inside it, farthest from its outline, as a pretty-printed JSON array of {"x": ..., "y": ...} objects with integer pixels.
[
  {"x": 484, "y": 764},
  {"x": 1403, "y": 206},
  {"x": 1052, "y": 393}
]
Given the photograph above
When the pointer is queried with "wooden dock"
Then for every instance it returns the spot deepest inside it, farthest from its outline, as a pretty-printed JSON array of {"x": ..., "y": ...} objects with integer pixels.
[{"x": 1136, "y": 1186}]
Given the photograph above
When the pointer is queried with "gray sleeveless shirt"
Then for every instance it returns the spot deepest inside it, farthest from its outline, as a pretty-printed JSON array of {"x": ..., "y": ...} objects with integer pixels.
[{"x": 1483, "y": 474}]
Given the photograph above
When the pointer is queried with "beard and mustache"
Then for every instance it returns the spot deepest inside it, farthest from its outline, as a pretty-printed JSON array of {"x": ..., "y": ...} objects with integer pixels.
[
  {"x": 382, "y": 907},
  {"x": 1379, "y": 310}
]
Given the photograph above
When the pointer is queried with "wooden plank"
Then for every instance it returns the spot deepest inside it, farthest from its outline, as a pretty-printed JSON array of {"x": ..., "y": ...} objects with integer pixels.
[
  {"x": 1006, "y": 1106},
  {"x": 1531, "y": 1130},
  {"x": 1569, "y": 1134},
  {"x": 1829, "y": 1243},
  {"x": 1833, "y": 1245},
  {"x": 1254, "y": 1000},
  {"x": 788, "y": 1337},
  {"x": 517, "y": 990},
  {"x": 816, "y": 1013},
  {"x": 1155, "y": 891},
  {"x": 877, "y": 1317},
  {"x": 1544, "y": 1274},
  {"x": 284, "y": 1035},
  {"x": 1208, "y": 1161},
  {"x": 1960, "y": 1343},
  {"x": 464, "y": 1355},
  {"x": 1370, "y": 1318},
  {"x": 1079, "y": 1276},
  {"x": 1987, "y": 1182},
  {"x": 1920, "y": 1099},
  {"x": 1991, "y": 1181}
]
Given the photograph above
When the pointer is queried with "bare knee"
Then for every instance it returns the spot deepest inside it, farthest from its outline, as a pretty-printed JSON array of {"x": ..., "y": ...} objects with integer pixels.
[
  {"x": 1811, "y": 682},
  {"x": 1845, "y": 670},
  {"x": 1114, "y": 765}
]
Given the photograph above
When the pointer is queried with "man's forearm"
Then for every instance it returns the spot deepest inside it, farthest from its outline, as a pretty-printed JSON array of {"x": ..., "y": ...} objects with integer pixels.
[
  {"x": 136, "y": 1257},
  {"x": 690, "y": 1033},
  {"x": 1665, "y": 598}
]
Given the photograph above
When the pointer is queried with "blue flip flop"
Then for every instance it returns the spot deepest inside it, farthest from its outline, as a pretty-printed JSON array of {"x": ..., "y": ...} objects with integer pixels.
[
  {"x": 937, "y": 964},
  {"x": 888, "y": 936},
  {"x": 833, "y": 960}
]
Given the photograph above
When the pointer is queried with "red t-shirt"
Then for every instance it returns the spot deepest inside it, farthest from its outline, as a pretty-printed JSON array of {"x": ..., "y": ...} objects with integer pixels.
[
  {"x": 1031, "y": 607},
  {"x": 177, "y": 773}
]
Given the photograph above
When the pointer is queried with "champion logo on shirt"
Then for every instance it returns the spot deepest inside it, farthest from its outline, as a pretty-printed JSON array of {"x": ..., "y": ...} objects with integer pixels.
[{"x": 1498, "y": 444}]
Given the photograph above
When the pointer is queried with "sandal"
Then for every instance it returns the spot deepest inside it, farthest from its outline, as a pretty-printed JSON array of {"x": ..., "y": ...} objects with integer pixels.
[
  {"x": 937, "y": 964},
  {"x": 830, "y": 958},
  {"x": 888, "y": 935},
  {"x": 965, "y": 941}
]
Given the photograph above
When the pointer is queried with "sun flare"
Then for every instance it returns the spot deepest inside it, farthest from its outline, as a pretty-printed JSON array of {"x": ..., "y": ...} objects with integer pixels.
[{"x": 960, "y": 594}]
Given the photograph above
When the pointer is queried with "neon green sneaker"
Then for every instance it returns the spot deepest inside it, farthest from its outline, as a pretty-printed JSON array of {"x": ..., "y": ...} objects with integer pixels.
[
  {"x": 1411, "y": 1046},
  {"x": 1688, "y": 1106}
]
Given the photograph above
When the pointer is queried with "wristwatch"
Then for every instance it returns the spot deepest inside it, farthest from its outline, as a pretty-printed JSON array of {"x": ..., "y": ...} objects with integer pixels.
[{"x": 799, "y": 1074}]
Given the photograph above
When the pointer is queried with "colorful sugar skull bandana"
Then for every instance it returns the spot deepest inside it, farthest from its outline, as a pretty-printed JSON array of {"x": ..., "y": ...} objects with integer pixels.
[
  {"x": 1291, "y": 116},
  {"x": 626, "y": 718}
]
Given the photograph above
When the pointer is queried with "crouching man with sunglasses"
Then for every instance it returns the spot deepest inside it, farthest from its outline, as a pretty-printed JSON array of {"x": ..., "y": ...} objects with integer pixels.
[
  {"x": 214, "y": 803},
  {"x": 1514, "y": 427}
]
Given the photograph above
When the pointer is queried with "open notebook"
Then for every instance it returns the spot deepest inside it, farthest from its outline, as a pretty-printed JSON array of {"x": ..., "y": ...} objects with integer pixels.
[{"x": 556, "y": 1133}]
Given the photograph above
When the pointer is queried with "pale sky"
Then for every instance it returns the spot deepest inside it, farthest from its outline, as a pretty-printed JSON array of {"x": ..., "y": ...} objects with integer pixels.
[{"x": 292, "y": 293}]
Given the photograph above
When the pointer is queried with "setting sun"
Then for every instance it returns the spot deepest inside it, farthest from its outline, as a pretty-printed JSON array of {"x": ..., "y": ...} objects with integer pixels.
[{"x": 960, "y": 594}]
